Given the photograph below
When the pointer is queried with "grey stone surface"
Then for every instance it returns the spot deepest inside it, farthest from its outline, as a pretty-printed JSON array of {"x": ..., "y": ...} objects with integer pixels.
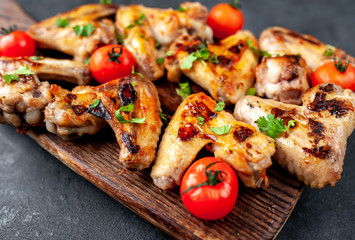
[{"x": 40, "y": 198}]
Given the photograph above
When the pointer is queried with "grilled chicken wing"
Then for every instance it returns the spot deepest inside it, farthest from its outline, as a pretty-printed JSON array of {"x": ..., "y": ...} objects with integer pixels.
[
  {"x": 22, "y": 101},
  {"x": 50, "y": 68},
  {"x": 228, "y": 77},
  {"x": 244, "y": 148},
  {"x": 282, "y": 78},
  {"x": 69, "y": 114},
  {"x": 138, "y": 142},
  {"x": 48, "y": 35},
  {"x": 314, "y": 148},
  {"x": 144, "y": 28},
  {"x": 278, "y": 40}
]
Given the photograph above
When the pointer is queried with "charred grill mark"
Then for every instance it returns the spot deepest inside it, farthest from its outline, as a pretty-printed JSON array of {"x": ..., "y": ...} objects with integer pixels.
[
  {"x": 200, "y": 109},
  {"x": 280, "y": 34},
  {"x": 334, "y": 106},
  {"x": 284, "y": 115},
  {"x": 241, "y": 133},
  {"x": 187, "y": 132},
  {"x": 36, "y": 94},
  {"x": 78, "y": 109},
  {"x": 224, "y": 61},
  {"x": 317, "y": 130},
  {"x": 71, "y": 96},
  {"x": 238, "y": 48},
  {"x": 328, "y": 88},
  {"x": 126, "y": 138},
  {"x": 127, "y": 94},
  {"x": 318, "y": 152},
  {"x": 99, "y": 111}
]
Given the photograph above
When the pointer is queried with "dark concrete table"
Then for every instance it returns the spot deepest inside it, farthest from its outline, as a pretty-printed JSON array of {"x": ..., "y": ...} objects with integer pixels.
[{"x": 40, "y": 198}]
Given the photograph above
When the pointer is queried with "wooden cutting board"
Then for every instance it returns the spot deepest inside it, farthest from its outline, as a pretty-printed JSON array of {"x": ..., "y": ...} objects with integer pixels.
[{"x": 258, "y": 214}]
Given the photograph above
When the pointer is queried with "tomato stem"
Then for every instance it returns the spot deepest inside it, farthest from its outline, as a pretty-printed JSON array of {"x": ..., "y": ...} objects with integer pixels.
[
  {"x": 235, "y": 4},
  {"x": 339, "y": 65},
  {"x": 114, "y": 56},
  {"x": 213, "y": 178},
  {"x": 5, "y": 31}
]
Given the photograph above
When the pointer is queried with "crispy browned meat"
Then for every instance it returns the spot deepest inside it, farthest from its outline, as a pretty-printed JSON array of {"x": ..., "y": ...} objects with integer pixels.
[
  {"x": 138, "y": 142},
  {"x": 49, "y": 36},
  {"x": 278, "y": 40},
  {"x": 282, "y": 78},
  {"x": 314, "y": 148},
  {"x": 22, "y": 102},
  {"x": 144, "y": 27},
  {"x": 229, "y": 77},
  {"x": 244, "y": 148},
  {"x": 50, "y": 68}
]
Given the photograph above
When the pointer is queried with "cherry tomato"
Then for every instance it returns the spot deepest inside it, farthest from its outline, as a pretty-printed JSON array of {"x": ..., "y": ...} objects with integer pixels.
[
  {"x": 120, "y": 65},
  {"x": 17, "y": 44},
  {"x": 329, "y": 73},
  {"x": 225, "y": 20},
  {"x": 209, "y": 199}
]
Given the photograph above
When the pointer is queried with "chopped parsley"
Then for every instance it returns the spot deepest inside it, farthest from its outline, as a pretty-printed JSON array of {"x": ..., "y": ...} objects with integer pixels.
[
  {"x": 128, "y": 108},
  {"x": 201, "y": 120},
  {"x": 251, "y": 91},
  {"x": 138, "y": 21},
  {"x": 202, "y": 54},
  {"x": 273, "y": 127},
  {"x": 184, "y": 91},
  {"x": 105, "y": 1},
  {"x": 157, "y": 44},
  {"x": 85, "y": 30},
  {"x": 222, "y": 130},
  {"x": 219, "y": 106},
  {"x": 87, "y": 61},
  {"x": 62, "y": 22},
  {"x": 169, "y": 53},
  {"x": 163, "y": 116},
  {"x": 36, "y": 58},
  {"x": 95, "y": 103},
  {"x": 24, "y": 70},
  {"x": 182, "y": 9},
  {"x": 133, "y": 83},
  {"x": 160, "y": 60},
  {"x": 257, "y": 51},
  {"x": 136, "y": 73}
]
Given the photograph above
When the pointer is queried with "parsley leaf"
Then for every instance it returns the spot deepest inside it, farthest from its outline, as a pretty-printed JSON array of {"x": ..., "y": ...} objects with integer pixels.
[
  {"x": 182, "y": 9},
  {"x": 84, "y": 31},
  {"x": 136, "y": 73},
  {"x": 219, "y": 106},
  {"x": 222, "y": 130},
  {"x": 133, "y": 83},
  {"x": 163, "y": 116},
  {"x": 62, "y": 22},
  {"x": 23, "y": 70},
  {"x": 128, "y": 108},
  {"x": 188, "y": 61},
  {"x": 257, "y": 51},
  {"x": 36, "y": 58},
  {"x": 201, "y": 120},
  {"x": 251, "y": 91},
  {"x": 105, "y": 1},
  {"x": 170, "y": 53},
  {"x": 160, "y": 60},
  {"x": 273, "y": 127},
  {"x": 328, "y": 53},
  {"x": 140, "y": 19},
  {"x": 202, "y": 54},
  {"x": 130, "y": 26},
  {"x": 87, "y": 61},
  {"x": 95, "y": 103},
  {"x": 184, "y": 90}
]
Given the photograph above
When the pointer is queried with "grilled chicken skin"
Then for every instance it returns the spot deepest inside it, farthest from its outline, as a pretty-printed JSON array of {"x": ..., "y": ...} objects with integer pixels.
[
  {"x": 138, "y": 142},
  {"x": 22, "y": 101},
  {"x": 49, "y": 36},
  {"x": 228, "y": 76},
  {"x": 69, "y": 114},
  {"x": 149, "y": 31},
  {"x": 278, "y": 40},
  {"x": 283, "y": 78},
  {"x": 50, "y": 68},
  {"x": 244, "y": 148},
  {"x": 314, "y": 148}
]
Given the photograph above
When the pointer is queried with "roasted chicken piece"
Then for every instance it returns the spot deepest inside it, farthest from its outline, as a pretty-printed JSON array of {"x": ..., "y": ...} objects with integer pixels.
[
  {"x": 282, "y": 78},
  {"x": 50, "y": 68},
  {"x": 22, "y": 101},
  {"x": 226, "y": 75},
  {"x": 278, "y": 40},
  {"x": 244, "y": 148},
  {"x": 146, "y": 30},
  {"x": 69, "y": 114},
  {"x": 138, "y": 142},
  {"x": 314, "y": 148},
  {"x": 49, "y": 36}
]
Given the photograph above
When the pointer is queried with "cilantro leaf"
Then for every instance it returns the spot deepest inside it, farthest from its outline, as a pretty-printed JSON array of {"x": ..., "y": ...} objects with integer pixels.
[
  {"x": 219, "y": 106},
  {"x": 160, "y": 60},
  {"x": 87, "y": 61},
  {"x": 188, "y": 61},
  {"x": 222, "y": 130},
  {"x": 184, "y": 90},
  {"x": 273, "y": 127},
  {"x": 328, "y": 53},
  {"x": 136, "y": 73},
  {"x": 182, "y": 9},
  {"x": 95, "y": 103},
  {"x": 62, "y": 22},
  {"x": 128, "y": 108},
  {"x": 201, "y": 120},
  {"x": 251, "y": 91},
  {"x": 202, "y": 54},
  {"x": 85, "y": 30},
  {"x": 23, "y": 70},
  {"x": 257, "y": 51},
  {"x": 10, "y": 77},
  {"x": 130, "y": 26}
]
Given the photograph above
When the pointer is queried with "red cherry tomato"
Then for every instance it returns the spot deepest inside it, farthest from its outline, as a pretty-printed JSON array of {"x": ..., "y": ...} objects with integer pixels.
[
  {"x": 17, "y": 44},
  {"x": 105, "y": 70},
  {"x": 225, "y": 20},
  {"x": 329, "y": 73},
  {"x": 217, "y": 197}
]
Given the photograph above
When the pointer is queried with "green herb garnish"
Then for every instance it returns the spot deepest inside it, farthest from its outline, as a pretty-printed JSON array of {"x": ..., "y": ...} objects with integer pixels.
[
  {"x": 169, "y": 53},
  {"x": 136, "y": 73},
  {"x": 157, "y": 44},
  {"x": 184, "y": 91},
  {"x": 35, "y": 58},
  {"x": 257, "y": 51},
  {"x": 273, "y": 127},
  {"x": 163, "y": 116},
  {"x": 95, "y": 103},
  {"x": 87, "y": 61},
  {"x": 201, "y": 120},
  {"x": 219, "y": 106},
  {"x": 160, "y": 60},
  {"x": 182, "y": 9},
  {"x": 133, "y": 83},
  {"x": 105, "y": 1},
  {"x": 128, "y": 108},
  {"x": 251, "y": 91},
  {"x": 24, "y": 70},
  {"x": 222, "y": 130},
  {"x": 62, "y": 22},
  {"x": 203, "y": 55},
  {"x": 85, "y": 30}
]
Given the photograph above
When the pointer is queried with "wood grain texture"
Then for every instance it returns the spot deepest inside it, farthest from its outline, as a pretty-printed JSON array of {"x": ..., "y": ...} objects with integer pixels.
[{"x": 258, "y": 214}]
